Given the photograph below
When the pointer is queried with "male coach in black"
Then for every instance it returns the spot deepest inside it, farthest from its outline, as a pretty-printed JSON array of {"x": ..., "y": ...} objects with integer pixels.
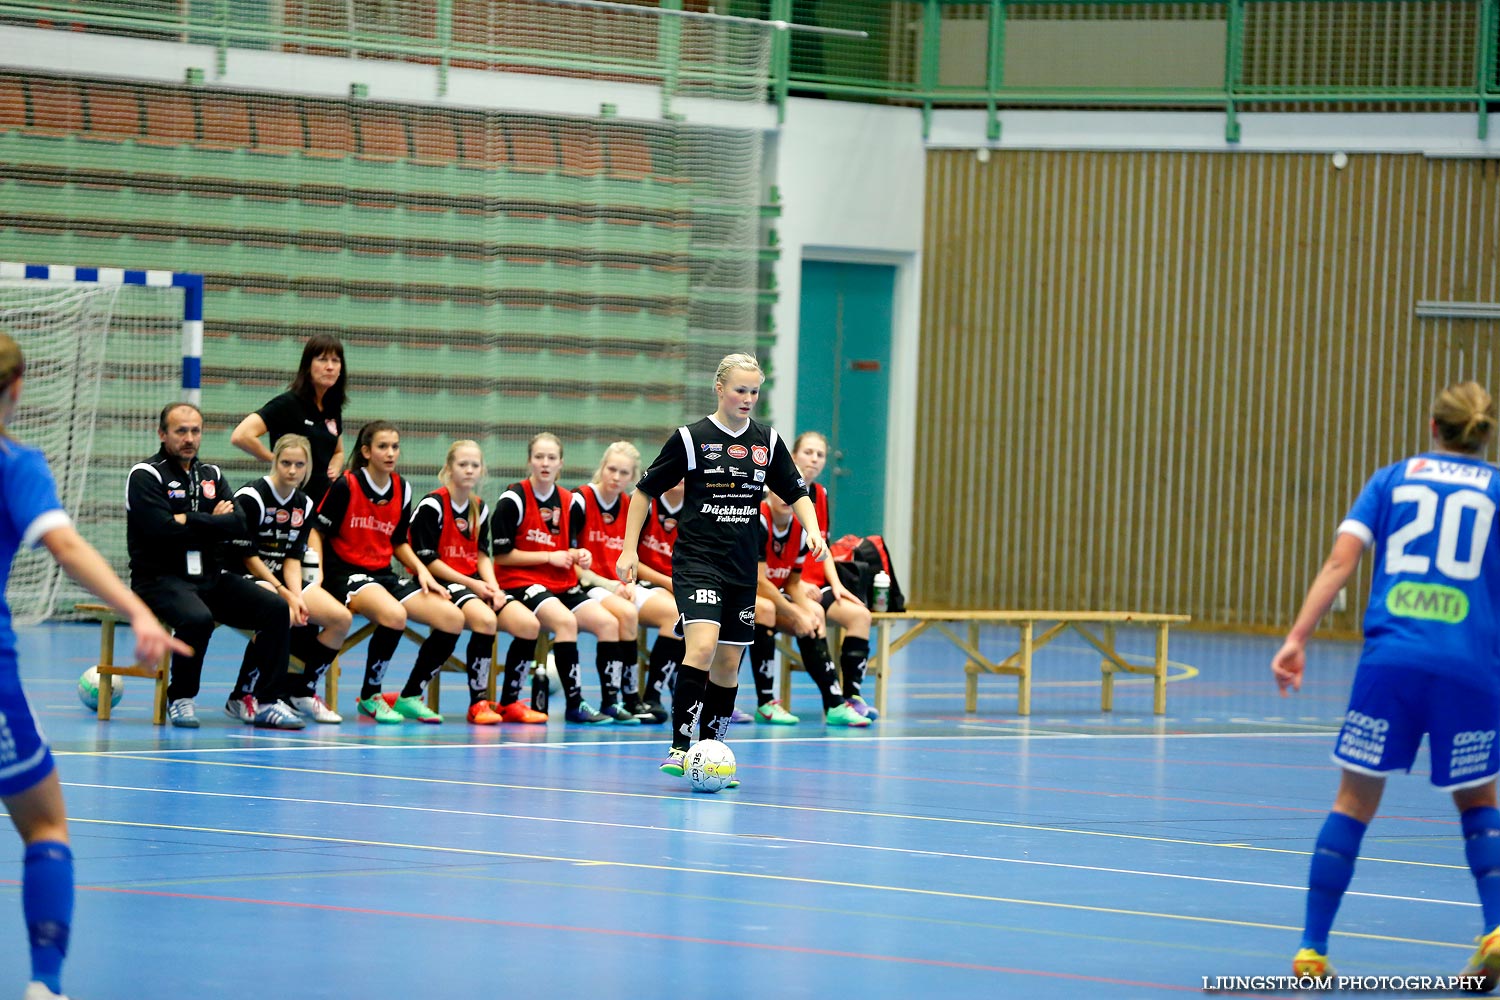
[{"x": 180, "y": 521}]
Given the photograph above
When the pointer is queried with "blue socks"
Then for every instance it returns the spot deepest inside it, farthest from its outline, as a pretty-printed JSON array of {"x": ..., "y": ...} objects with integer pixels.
[
  {"x": 1328, "y": 877},
  {"x": 1482, "y": 847},
  {"x": 47, "y": 902}
]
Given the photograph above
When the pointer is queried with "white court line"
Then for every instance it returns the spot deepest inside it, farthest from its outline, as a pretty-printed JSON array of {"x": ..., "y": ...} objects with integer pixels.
[
  {"x": 735, "y": 803},
  {"x": 756, "y": 838},
  {"x": 1008, "y": 735},
  {"x": 762, "y": 877}
]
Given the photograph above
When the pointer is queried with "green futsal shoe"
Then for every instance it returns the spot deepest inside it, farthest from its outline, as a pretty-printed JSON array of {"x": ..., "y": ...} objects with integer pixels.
[
  {"x": 376, "y": 708},
  {"x": 415, "y": 708},
  {"x": 843, "y": 715}
]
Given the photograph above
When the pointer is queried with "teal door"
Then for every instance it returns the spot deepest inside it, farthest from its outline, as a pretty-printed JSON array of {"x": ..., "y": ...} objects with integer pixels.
[{"x": 843, "y": 384}]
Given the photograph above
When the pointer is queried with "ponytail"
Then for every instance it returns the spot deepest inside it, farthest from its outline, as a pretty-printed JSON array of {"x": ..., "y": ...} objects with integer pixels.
[{"x": 1465, "y": 417}]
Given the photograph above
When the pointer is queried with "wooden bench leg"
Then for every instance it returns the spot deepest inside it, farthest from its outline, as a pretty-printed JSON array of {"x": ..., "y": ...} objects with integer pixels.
[
  {"x": 159, "y": 701},
  {"x": 790, "y": 660},
  {"x": 1024, "y": 692},
  {"x": 108, "y": 670},
  {"x": 785, "y": 681},
  {"x": 1159, "y": 704},
  {"x": 106, "y": 677},
  {"x": 1107, "y": 671},
  {"x": 331, "y": 684},
  {"x": 882, "y": 665},
  {"x": 497, "y": 665},
  {"x": 971, "y": 675}
]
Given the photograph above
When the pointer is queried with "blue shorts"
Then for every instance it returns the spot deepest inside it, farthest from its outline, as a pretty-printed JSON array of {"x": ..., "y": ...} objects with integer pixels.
[
  {"x": 1391, "y": 707},
  {"x": 25, "y": 757}
]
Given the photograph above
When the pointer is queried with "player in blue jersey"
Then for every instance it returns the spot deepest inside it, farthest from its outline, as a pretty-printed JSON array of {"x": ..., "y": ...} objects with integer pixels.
[
  {"x": 1430, "y": 663},
  {"x": 30, "y": 514}
]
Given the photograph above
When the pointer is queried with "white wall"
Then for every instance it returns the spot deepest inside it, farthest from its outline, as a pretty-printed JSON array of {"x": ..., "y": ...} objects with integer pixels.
[
  {"x": 852, "y": 180},
  {"x": 328, "y": 76}
]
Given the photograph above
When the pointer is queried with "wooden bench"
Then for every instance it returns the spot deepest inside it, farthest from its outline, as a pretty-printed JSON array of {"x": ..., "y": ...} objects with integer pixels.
[
  {"x": 1018, "y": 664},
  {"x": 108, "y": 618},
  {"x": 160, "y": 672}
]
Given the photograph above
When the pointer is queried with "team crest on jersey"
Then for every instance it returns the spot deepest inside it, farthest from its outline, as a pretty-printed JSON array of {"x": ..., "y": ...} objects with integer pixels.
[
  {"x": 209, "y": 489},
  {"x": 282, "y": 516},
  {"x": 669, "y": 525},
  {"x": 1458, "y": 473},
  {"x": 552, "y": 518},
  {"x": 462, "y": 524},
  {"x": 737, "y": 451},
  {"x": 296, "y": 518},
  {"x": 760, "y": 454}
]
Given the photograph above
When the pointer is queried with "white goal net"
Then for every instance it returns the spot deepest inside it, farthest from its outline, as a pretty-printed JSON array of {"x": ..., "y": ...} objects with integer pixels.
[{"x": 101, "y": 361}]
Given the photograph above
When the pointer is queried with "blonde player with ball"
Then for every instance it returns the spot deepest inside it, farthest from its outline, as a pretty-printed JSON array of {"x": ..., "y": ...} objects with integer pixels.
[{"x": 726, "y": 460}]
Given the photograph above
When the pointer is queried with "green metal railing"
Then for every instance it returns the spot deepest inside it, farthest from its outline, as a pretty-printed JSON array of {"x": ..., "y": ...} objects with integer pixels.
[{"x": 1276, "y": 53}]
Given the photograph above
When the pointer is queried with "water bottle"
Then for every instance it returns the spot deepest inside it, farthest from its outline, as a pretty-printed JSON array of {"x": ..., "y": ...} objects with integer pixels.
[
  {"x": 539, "y": 686},
  {"x": 882, "y": 591},
  {"x": 309, "y": 567}
]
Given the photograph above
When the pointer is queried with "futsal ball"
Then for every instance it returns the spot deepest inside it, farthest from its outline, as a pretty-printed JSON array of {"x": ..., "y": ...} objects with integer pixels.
[
  {"x": 710, "y": 766},
  {"x": 88, "y": 690}
]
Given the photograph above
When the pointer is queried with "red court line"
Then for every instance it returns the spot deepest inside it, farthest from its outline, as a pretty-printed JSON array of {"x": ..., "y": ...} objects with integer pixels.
[{"x": 647, "y": 935}]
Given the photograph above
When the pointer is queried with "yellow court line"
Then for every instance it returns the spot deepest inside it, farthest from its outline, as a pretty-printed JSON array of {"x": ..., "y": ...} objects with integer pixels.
[
  {"x": 756, "y": 876},
  {"x": 756, "y": 838},
  {"x": 731, "y": 802}
]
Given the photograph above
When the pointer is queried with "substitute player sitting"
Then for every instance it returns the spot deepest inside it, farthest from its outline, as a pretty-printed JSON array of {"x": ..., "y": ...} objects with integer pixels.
[
  {"x": 537, "y": 545},
  {"x": 821, "y": 581},
  {"x": 450, "y": 533},
  {"x": 600, "y": 505},
  {"x": 658, "y": 538},
  {"x": 361, "y": 524},
  {"x": 782, "y": 603},
  {"x": 1430, "y": 663},
  {"x": 280, "y": 518}
]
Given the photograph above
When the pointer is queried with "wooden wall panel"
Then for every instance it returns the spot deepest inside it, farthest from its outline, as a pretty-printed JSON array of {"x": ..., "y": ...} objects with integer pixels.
[{"x": 1158, "y": 379}]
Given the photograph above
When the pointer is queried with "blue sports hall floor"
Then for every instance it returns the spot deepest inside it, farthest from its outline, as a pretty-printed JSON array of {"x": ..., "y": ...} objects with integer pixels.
[{"x": 937, "y": 854}]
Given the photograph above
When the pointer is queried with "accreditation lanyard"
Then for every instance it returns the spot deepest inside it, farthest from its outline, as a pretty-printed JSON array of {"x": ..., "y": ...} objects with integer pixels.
[{"x": 194, "y": 558}]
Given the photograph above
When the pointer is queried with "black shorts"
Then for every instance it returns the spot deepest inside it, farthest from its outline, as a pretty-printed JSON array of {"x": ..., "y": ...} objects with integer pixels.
[
  {"x": 534, "y": 596},
  {"x": 343, "y": 582},
  {"x": 461, "y": 595},
  {"x": 709, "y": 598},
  {"x": 826, "y": 598}
]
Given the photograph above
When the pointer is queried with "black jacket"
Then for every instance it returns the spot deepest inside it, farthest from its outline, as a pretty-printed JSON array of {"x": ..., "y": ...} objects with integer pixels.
[{"x": 158, "y": 545}]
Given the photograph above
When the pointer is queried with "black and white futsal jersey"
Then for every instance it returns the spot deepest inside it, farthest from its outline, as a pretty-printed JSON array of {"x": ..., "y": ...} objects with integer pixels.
[
  {"x": 725, "y": 474},
  {"x": 278, "y": 524}
]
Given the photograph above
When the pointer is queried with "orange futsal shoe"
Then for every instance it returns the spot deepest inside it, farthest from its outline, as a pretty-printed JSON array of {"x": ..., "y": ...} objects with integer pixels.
[
  {"x": 482, "y": 713},
  {"x": 519, "y": 712}
]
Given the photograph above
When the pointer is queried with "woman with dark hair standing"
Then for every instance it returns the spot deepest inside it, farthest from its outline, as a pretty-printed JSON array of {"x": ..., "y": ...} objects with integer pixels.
[{"x": 313, "y": 407}]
